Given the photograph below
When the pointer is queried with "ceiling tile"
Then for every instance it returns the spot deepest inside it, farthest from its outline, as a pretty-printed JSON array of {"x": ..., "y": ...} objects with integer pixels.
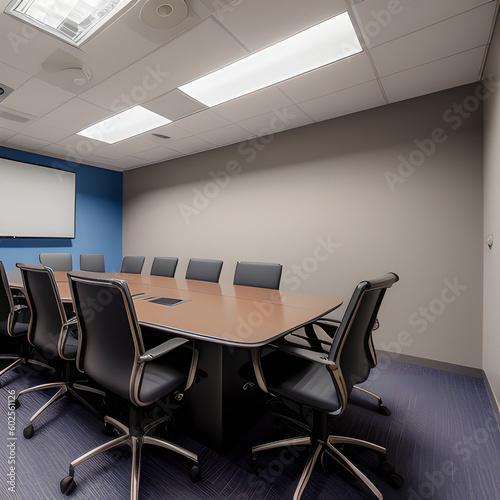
[
  {"x": 59, "y": 151},
  {"x": 226, "y": 135},
  {"x": 25, "y": 142},
  {"x": 435, "y": 76},
  {"x": 12, "y": 77},
  {"x": 5, "y": 134},
  {"x": 45, "y": 131},
  {"x": 201, "y": 122},
  {"x": 24, "y": 47},
  {"x": 277, "y": 121},
  {"x": 242, "y": 18},
  {"x": 82, "y": 146},
  {"x": 463, "y": 32},
  {"x": 331, "y": 78},
  {"x": 173, "y": 132},
  {"x": 201, "y": 50},
  {"x": 381, "y": 20},
  {"x": 157, "y": 154},
  {"x": 364, "y": 96},
  {"x": 216, "y": 5},
  {"x": 121, "y": 163},
  {"x": 81, "y": 112},
  {"x": 127, "y": 147},
  {"x": 174, "y": 105},
  {"x": 37, "y": 97},
  {"x": 190, "y": 145},
  {"x": 13, "y": 119},
  {"x": 254, "y": 104}
]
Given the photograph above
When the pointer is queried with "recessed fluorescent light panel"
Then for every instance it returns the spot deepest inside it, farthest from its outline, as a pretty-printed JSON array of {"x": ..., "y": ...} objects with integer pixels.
[
  {"x": 73, "y": 21},
  {"x": 322, "y": 44},
  {"x": 124, "y": 125}
]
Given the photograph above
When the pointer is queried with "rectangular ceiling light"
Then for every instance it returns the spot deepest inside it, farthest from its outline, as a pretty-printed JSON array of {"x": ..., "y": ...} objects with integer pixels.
[
  {"x": 73, "y": 21},
  {"x": 322, "y": 44},
  {"x": 124, "y": 125}
]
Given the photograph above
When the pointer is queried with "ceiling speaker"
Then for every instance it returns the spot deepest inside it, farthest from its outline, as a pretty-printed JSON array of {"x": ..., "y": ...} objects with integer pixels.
[{"x": 163, "y": 14}]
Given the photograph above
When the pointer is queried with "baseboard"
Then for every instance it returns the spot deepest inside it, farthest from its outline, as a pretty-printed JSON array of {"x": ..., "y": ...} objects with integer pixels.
[
  {"x": 449, "y": 367},
  {"x": 432, "y": 363},
  {"x": 493, "y": 400}
]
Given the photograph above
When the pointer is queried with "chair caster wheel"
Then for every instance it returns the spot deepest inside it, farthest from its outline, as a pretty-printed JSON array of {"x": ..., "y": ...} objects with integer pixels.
[
  {"x": 395, "y": 481},
  {"x": 383, "y": 410},
  {"x": 29, "y": 431},
  {"x": 195, "y": 473},
  {"x": 17, "y": 404},
  {"x": 388, "y": 474},
  {"x": 67, "y": 485}
]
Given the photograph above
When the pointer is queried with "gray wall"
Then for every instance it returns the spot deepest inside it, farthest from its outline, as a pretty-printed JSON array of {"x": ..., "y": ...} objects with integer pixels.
[
  {"x": 397, "y": 188},
  {"x": 491, "y": 340}
]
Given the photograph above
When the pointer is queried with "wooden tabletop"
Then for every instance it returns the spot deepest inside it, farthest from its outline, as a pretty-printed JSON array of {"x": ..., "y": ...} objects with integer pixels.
[{"x": 227, "y": 314}]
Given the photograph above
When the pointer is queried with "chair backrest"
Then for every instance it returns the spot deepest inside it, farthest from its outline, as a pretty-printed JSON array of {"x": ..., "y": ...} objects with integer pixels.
[
  {"x": 57, "y": 261},
  {"x": 110, "y": 340},
  {"x": 6, "y": 303},
  {"x": 259, "y": 274},
  {"x": 93, "y": 262},
  {"x": 352, "y": 341},
  {"x": 47, "y": 311},
  {"x": 164, "y": 266},
  {"x": 132, "y": 264},
  {"x": 204, "y": 270}
]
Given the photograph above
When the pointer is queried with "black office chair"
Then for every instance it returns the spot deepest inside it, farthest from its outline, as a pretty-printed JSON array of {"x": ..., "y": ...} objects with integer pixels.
[
  {"x": 204, "y": 270},
  {"x": 258, "y": 274},
  {"x": 14, "y": 318},
  {"x": 132, "y": 264},
  {"x": 322, "y": 383},
  {"x": 93, "y": 262},
  {"x": 164, "y": 266},
  {"x": 52, "y": 336},
  {"x": 319, "y": 336},
  {"x": 57, "y": 261},
  {"x": 112, "y": 353}
]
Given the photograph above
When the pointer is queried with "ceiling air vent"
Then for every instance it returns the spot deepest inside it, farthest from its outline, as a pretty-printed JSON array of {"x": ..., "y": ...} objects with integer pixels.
[
  {"x": 5, "y": 91},
  {"x": 15, "y": 116}
]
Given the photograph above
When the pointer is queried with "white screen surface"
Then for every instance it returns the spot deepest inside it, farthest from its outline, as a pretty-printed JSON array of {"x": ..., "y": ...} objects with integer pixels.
[{"x": 35, "y": 201}]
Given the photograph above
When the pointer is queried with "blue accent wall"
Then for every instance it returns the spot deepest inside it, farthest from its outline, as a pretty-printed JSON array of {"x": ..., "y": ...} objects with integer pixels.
[{"x": 99, "y": 197}]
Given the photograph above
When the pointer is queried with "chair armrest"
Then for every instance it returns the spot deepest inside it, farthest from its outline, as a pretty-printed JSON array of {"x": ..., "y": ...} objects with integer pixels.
[
  {"x": 71, "y": 327},
  {"x": 317, "y": 357},
  {"x": 162, "y": 349},
  {"x": 311, "y": 337}
]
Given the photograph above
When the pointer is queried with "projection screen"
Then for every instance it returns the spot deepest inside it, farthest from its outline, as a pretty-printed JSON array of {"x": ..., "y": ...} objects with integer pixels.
[{"x": 36, "y": 201}]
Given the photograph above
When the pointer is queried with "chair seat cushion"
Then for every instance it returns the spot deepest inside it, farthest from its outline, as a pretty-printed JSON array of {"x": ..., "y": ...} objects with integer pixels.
[
  {"x": 70, "y": 347},
  {"x": 20, "y": 329},
  {"x": 300, "y": 380},
  {"x": 158, "y": 380}
]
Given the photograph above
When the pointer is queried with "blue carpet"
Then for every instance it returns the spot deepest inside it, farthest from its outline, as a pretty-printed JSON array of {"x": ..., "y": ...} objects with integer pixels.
[{"x": 442, "y": 438}]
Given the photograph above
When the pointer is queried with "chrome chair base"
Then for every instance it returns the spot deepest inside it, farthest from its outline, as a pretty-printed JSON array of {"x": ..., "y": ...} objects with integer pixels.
[
  {"x": 317, "y": 450},
  {"x": 63, "y": 387},
  {"x": 135, "y": 442}
]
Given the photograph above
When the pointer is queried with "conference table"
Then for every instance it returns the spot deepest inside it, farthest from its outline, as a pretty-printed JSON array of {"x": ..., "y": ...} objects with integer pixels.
[{"x": 225, "y": 321}]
